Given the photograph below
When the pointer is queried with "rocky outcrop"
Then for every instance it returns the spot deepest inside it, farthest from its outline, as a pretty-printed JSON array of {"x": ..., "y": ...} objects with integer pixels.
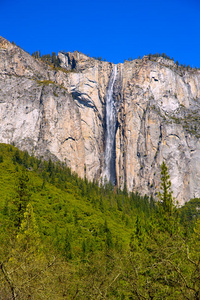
[
  {"x": 61, "y": 113},
  {"x": 54, "y": 113},
  {"x": 159, "y": 120}
]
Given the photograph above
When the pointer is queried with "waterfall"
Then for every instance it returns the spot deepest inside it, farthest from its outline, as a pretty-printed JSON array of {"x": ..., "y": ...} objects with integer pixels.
[{"x": 111, "y": 115}]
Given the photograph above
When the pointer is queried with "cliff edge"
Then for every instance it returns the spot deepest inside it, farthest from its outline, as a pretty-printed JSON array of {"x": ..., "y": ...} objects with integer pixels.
[{"x": 62, "y": 113}]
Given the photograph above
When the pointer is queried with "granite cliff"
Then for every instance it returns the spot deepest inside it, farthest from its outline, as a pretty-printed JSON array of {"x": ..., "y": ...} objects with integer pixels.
[{"x": 63, "y": 114}]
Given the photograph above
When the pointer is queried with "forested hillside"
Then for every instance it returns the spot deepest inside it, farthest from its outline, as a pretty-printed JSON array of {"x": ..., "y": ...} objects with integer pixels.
[{"x": 62, "y": 237}]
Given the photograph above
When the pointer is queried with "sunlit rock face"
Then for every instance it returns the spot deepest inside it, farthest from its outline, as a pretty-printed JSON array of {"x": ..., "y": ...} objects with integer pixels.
[
  {"x": 159, "y": 120},
  {"x": 63, "y": 114}
]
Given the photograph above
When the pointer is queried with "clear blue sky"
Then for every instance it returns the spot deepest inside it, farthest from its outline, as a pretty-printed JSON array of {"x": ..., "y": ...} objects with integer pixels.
[{"x": 115, "y": 30}]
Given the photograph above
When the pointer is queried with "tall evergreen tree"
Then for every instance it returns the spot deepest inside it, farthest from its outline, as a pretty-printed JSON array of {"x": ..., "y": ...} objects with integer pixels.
[
  {"x": 165, "y": 195},
  {"x": 22, "y": 198},
  {"x": 28, "y": 236},
  {"x": 167, "y": 213}
]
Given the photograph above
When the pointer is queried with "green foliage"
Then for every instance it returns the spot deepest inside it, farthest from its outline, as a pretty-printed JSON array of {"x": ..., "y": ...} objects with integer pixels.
[
  {"x": 98, "y": 58},
  {"x": 21, "y": 199},
  {"x": 190, "y": 212},
  {"x": 165, "y": 195},
  {"x": 66, "y": 201},
  {"x": 28, "y": 236},
  {"x": 63, "y": 237},
  {"x": 45, "y": 82},
  {"x": 160, "y": 265},
  {"x": 179, "y": 66},
  {"x": 51, "y": 59}
]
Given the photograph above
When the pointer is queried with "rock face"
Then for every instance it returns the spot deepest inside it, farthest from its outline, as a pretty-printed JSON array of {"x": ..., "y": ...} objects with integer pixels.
[
  {"x": 62, "y": 114},
  {"x": 159, "y": 120}
]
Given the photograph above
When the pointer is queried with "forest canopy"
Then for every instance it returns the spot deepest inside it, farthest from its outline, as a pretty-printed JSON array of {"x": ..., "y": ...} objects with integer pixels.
[{"x": 63, "y": 237}]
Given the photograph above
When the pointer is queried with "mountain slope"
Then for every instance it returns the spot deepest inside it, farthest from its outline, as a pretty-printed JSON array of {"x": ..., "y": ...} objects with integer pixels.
[
  {"x": 61, "y": 113},
  {"x": 64, "y": 237},
  {"x": 64, "y": 202}
]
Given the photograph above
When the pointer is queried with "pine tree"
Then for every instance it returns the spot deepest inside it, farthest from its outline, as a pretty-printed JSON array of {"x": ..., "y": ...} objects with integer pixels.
[
  {"x": 167, "y": 212},
  {"x": 67, "y": 245},
  {"x": 26, "y": 260},
  {"x": 22, "y": 198},
  {"x": 157, "y": 250},
  {"x": 25, "y": 159},
  {"x": 165, "y": 195},
  {"x": 193, "y": 259},
  {"x": 28, "y": 236}
]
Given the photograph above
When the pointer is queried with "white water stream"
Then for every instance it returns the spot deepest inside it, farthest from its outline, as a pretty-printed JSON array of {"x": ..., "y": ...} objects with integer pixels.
[{"x": 109, "y": 171}]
